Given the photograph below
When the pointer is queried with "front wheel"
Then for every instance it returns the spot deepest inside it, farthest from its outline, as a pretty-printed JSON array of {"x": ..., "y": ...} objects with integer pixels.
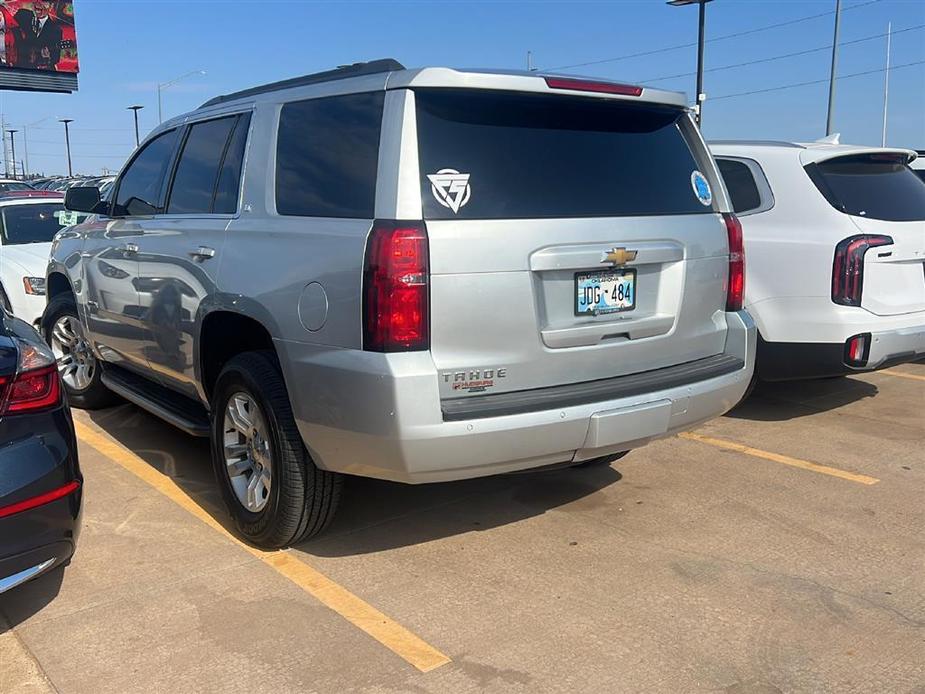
[
  {"x": 275, "y": 493},
  {"x": 80, "y": 371}
]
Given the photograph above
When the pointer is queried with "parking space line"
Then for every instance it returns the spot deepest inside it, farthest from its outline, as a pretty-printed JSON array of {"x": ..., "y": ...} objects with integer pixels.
[
  {"x": 900, "y": 374},
  {"x": 361, "y": 614},
  {"x": 778, "y": 458}
]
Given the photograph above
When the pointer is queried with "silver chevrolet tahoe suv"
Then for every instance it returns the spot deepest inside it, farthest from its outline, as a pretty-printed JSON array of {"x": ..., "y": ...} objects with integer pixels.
[{"x": 415, "y": 275}]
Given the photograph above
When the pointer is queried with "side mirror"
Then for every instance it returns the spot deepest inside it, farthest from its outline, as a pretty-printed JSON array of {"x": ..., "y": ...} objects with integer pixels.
[{"x": 82, "y": 199}]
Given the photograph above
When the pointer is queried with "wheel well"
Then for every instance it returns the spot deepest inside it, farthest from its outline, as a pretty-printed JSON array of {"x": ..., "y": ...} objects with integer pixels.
[
  {"x": 225, "y": 334},
  {"x": 57, "y": 284}
]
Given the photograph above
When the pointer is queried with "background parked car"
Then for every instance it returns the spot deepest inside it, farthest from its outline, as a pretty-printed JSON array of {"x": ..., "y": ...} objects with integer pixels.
[
  {"x": 40, "y": 480},
  {"x": 9, "y": 185},
  {"x": 29, "y": 221},
  {"x": 918, "y": 164},
  {"x": 835, "y": 241}
]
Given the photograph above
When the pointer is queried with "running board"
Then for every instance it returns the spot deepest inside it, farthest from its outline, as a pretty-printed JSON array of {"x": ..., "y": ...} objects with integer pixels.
[{"x": 173, "y": 408}]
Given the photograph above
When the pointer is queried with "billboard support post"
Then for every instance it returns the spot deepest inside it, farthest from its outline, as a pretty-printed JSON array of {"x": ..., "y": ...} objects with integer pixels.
[{"x": 67, "y": 142}]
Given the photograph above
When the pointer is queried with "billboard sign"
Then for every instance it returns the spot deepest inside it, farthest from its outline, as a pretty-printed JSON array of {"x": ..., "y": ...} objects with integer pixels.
[{"x": 38, "y": 45}]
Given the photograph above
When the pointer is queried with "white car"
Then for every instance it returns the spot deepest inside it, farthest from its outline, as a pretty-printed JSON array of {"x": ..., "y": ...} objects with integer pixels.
[
  {"x": 28, "y": 223},
  {"x": 835, "y": 251}
]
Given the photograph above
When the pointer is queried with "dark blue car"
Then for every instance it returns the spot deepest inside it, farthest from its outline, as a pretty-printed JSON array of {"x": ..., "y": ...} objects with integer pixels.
[{"x": 40, "y": 480}]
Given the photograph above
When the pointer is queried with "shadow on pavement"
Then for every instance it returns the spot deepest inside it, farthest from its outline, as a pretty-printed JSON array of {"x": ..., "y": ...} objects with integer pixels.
[
  {"x": 785, "y": 400},
  {"x": 21, "y": 603},
  {"x": 374, "y": 515}
]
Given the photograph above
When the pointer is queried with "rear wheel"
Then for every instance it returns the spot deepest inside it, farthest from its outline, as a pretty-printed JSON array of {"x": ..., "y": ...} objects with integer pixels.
[
  {"x": 275, "y": 493},
  {"x": 80, "y": 371},
  {"x": 602, "y": 461}
]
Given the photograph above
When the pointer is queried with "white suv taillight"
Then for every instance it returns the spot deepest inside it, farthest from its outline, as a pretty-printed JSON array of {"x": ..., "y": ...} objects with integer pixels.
[
  {"x": 848, "y": 267},
  {"x": 395, "y": 288},
  {"x": 735, "y": 287}
]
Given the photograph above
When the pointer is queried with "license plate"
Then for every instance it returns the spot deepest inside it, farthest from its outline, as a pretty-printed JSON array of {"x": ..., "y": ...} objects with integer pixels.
[{"x": 604, "y": 291}]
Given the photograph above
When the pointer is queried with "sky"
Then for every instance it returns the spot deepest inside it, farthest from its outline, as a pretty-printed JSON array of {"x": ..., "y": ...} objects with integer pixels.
[{"x": 127, "y": 47}]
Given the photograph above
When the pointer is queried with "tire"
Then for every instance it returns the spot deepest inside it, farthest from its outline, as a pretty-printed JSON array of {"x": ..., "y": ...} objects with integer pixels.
[
  {"x": 602, "y": 461},
  {"x": 300, "y": 499},
  {"x": 94, "y": 395}
]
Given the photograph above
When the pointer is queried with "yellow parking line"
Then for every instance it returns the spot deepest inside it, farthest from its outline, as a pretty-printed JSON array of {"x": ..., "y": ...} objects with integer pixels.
[
  {"x": 361, "y": 614},
  {"x": 778, "y": 458},
  {"x": 900, "y": 374}
]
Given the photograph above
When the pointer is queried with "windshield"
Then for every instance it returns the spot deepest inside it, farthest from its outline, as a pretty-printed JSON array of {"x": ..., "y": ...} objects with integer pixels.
[
  {"x": 875, "y": 186},
  {"x": 518, "y": 155},
  {"x": 7, "y": 187},
  {"x": 35, "y": 223}
]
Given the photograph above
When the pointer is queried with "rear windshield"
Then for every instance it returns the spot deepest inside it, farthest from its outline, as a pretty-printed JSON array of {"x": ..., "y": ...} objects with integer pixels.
[
  {"x": 35, "y": 223},
  {"x": 875, "y": 186},
  {"x": 502, "y": 155},
  {"x": 8, "y": 186}
]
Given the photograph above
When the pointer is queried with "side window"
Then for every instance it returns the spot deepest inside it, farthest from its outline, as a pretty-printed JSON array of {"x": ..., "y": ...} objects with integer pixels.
[
  {"x": 229, "y": 180},
  {"x": 140, "y": 186},
  {"x": 327, "y": 154},
  {"x": 741, "y": 185},
  {"x": 198, "y": 168}
]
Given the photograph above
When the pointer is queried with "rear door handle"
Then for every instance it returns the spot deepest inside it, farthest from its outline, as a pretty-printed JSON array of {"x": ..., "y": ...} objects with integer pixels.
[{"x": 202, "y": 253}]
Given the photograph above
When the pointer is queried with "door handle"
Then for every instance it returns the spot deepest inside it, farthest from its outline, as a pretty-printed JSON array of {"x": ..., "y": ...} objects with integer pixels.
[
  {"x": 202, "y": 253},
  {"x": 129, "y": 248}
]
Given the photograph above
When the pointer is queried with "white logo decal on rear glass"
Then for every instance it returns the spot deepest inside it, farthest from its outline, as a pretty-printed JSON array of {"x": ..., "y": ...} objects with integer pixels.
[{"x": 450, "y": 188}]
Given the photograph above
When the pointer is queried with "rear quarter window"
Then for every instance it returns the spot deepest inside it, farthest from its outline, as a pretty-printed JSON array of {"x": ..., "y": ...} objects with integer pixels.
[
  {"x": 741, "y": 185},
  {"x": 327, "y": 154},
  {"x": 547, "y": 156},
  {"x": 875, "y": 186}
]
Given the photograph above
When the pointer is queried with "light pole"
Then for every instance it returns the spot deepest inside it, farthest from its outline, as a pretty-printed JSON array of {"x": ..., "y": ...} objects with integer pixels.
[
  {"x": 165, "y": 85},
  {"x": 136, "y": 109},
  {"x": 831, "y": 111},
  {"x": 700, "y": 97},
  {"x": 13, "y": 146},
  {"x": 67, "y": 141},
  {"x": 25, "y": 140}
]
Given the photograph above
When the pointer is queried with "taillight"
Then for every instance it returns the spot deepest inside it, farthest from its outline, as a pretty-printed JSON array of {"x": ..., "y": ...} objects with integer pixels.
[
  {"x": 35, "y": 387},
  {"x": 857, "y": 350},
  {"x": 395, "y": 291},
  {"x": 40, "y": 500},
  {"x": 592, "y": 86},
  {"x": 735, "y": 286},
  {"x": 848, "y": 267}
]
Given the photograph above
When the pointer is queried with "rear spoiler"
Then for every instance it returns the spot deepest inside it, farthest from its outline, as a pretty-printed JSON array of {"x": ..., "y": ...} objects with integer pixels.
[{"x": 812, "y": 155}]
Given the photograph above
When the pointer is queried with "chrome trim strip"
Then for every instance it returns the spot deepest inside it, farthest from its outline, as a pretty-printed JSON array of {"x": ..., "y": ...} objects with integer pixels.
[{"x": 11, "y": 582}]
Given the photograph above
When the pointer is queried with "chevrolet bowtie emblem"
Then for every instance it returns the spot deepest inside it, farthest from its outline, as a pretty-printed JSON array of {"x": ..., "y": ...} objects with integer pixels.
[{"x": 618, "y": 256}]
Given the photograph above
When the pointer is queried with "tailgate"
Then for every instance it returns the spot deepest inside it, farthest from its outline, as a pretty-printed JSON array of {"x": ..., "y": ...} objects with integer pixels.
[
  {"x": 882, "y": 197},
  {"x": 568, "y": 241}
]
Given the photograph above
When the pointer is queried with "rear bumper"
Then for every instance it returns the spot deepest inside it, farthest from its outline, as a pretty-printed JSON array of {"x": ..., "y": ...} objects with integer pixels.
[
  {"x": 39, "y": 456},
  {"x": 781, "y": 361},
  {"x": 365, "y": 414}
]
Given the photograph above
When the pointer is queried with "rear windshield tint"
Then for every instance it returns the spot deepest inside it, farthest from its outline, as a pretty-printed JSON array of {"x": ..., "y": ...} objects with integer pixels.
[
  {"x": 502, "y": 155},
  {"x": 875, "y": 186}
]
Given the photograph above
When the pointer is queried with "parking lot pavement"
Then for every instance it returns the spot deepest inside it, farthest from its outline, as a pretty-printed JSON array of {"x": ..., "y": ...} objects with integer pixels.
[{"x": 779, "y": 549}]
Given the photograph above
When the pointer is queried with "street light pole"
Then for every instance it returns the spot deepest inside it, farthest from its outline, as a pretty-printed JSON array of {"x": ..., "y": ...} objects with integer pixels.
[
  {"x": 831, "y": 110},
  {"x": 13, "y": 147},
  {"x": 67, "y": 141},
  {"x": 165, "y": 85},
  {"x": 700, "y": 97},
  {"x": 136, "y": 109}
]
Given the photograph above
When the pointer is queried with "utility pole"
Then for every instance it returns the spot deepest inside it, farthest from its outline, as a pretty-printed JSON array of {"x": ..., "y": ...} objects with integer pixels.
[
  {"x": 530, "y": 67},
  {"x": 67, "y": 142},
  {"x": 886, "y": 80},
  {"x": 13, "y": 147},
  {"x": 701, "y": 32},
  {"x": 831, "y": 111},
  {"x": 136, "y": 109}
]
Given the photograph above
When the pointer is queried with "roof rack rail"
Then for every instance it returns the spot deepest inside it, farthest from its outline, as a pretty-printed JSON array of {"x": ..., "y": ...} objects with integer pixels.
[{"x": 343, "y": 72}]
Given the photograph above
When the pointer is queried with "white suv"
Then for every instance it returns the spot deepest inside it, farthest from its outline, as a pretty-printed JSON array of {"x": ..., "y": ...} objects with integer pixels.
[{"x": 835, "y": 241}]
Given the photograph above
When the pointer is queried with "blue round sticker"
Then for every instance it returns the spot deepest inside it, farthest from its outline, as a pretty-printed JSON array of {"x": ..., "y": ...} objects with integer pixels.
[{"x": 701, "y": 188}]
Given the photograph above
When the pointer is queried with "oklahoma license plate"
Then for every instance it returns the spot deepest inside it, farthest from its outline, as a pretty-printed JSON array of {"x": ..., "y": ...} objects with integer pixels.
[{"x": 604, "y": 291}]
